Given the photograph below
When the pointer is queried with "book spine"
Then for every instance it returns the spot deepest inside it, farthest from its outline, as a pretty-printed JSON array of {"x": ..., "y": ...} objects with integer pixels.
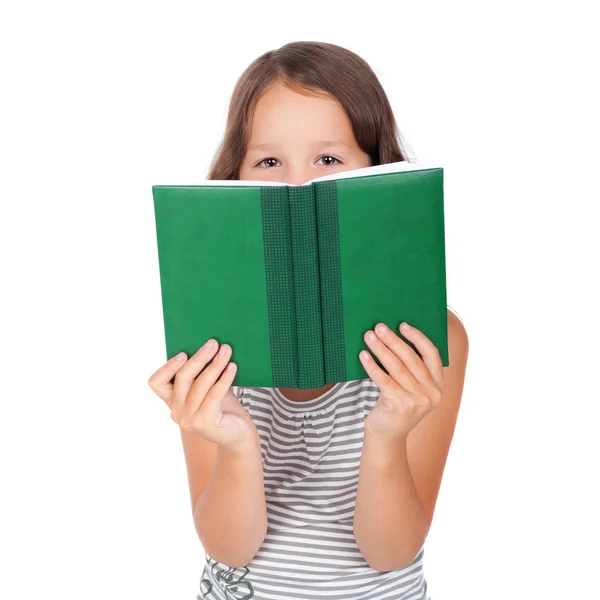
[
  {"x": 277, "y": 236},
  {"x": 334, "y": 359},
  {"x": 306, "y": 284},
  {"x": 304, "y": 287}
]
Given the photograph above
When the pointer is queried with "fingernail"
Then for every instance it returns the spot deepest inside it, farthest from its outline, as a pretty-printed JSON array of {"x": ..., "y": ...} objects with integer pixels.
[
  {"x": 180, "y": 357},
  {"x": 406, "y": 326},
  {"x": 223, "y": 350}
]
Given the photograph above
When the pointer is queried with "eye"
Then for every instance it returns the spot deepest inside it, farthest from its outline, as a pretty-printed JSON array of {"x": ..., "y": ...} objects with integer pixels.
[
  {"x": 330, "y": 164},
  {"x": 267, "y": 159},
  {"x": 270, "y": 161}
]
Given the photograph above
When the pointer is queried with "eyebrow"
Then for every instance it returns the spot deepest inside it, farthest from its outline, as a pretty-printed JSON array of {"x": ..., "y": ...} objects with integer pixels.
[{"x": 321, "y": 143}]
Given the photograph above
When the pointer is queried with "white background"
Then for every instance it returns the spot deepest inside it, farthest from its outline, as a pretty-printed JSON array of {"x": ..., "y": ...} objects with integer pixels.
[{"x": 102, "y": 100}]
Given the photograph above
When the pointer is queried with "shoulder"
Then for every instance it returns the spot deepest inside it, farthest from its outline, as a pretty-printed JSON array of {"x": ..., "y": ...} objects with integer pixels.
[
  {"x": 458, "y": 352},
  {"x": 458, "y": 340},
  {"x": 454, "y": 373}
]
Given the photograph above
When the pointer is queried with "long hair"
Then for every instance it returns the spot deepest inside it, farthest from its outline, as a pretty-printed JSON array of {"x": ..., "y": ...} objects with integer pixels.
[{"x": 312, "y": 68}]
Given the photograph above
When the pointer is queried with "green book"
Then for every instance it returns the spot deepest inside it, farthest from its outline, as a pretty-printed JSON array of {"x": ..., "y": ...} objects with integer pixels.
[{"x": 292, "y": 276}]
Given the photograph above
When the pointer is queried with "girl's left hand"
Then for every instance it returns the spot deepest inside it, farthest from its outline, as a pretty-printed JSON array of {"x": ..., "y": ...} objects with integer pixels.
[{"x": 413, "y": 387}]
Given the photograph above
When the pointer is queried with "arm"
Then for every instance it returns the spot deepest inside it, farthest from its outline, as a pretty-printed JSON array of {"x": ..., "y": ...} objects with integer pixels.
[
  {"x": 399, "y": 482},
  {"x": 231, "y": 514},
  {"x": 390, "y": 523}
]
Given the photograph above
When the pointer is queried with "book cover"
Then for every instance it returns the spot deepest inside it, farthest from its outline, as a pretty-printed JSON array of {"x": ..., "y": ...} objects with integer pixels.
[{"x": 291, "y": 277}]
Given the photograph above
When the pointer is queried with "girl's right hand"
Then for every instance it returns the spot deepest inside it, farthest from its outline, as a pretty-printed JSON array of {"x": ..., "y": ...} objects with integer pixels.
[{"x": 205, "y": 403}]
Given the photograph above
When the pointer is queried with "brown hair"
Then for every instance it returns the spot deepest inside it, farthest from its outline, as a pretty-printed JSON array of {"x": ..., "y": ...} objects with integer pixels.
[{"x": 312, "y": 68}]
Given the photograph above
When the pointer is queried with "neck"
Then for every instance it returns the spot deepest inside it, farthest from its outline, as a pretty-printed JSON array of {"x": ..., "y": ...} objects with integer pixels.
[{"x": 297, "y": 395}]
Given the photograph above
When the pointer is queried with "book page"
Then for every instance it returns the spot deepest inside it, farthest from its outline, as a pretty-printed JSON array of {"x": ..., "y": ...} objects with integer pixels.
[{"x": 395, "y": 167}]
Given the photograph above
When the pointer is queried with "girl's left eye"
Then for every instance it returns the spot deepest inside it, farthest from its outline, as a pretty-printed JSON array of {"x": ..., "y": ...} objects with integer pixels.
[{"x": 332, "y": 157}]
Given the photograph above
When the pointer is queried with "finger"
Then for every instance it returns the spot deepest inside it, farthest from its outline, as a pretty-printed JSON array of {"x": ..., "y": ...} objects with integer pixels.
[
  {"x": 430, "y": 354},
  {"x": 392, "y": 363},
  {"x": 407, "y": 355},
  {"x": 206, "y": 380},
  {"x": 188, "y": 373},
  {"x": 160, "y": 380},
  {"x": 231, "y": 403},
  {"x": 210, "y": 406},
  {"x": 384, "y": 382}
]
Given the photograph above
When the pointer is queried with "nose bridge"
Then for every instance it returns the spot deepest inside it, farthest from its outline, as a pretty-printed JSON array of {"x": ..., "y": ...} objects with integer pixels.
[{"x": 297, "y": 173}]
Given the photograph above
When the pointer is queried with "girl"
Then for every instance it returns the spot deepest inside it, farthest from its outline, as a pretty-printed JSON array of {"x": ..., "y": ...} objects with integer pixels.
[{"x": 324, "y": 493}]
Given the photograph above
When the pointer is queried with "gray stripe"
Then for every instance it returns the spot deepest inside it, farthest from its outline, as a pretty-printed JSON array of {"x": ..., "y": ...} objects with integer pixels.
[
  {"x": 393, "y": 581},
  {"x": 348, "y": 423},
  {"x": 327, "y": 404},
  {"x": 311, "y": 459},
  {"x": 273, "y": 412}
]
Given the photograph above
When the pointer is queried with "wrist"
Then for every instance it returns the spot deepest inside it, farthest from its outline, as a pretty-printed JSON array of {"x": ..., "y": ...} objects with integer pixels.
[
  {"x": 248, "y": 451},
  {"x": 383, "y": 453}
]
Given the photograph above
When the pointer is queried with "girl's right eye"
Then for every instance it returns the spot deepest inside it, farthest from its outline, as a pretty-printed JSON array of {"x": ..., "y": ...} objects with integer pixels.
[{"x": 267, "y": 159}]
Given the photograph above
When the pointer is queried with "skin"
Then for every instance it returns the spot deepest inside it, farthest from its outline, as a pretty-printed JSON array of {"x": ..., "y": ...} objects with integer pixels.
[
  {"x": 407, "y": 434},
  {"x": 294, "y": 138}
]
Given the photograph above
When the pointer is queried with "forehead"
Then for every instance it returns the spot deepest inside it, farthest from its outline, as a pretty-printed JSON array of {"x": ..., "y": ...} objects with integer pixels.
[{"x": 282, "y": 113}]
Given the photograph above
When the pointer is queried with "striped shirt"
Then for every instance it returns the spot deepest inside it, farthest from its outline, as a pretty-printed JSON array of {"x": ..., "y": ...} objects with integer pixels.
[{"x": 311, "y": 457}]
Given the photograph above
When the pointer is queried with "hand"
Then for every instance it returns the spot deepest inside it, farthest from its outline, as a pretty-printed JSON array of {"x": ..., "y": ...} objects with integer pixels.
[
  {"x": 205, "y": 403},
  {"x": 410, "y": 389}
]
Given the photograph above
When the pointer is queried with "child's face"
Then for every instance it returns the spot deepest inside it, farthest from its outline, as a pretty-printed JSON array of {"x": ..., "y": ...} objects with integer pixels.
[{"x": 295, "y": 138}]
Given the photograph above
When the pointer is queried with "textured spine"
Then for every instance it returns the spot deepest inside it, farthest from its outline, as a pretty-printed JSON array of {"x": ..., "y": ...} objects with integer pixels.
[
  {"x": 307, "y": 284},
  {"x": 280, "y": 285},
  {"x": 331, "y": 281},
  {"x": 304, "y": 288}
]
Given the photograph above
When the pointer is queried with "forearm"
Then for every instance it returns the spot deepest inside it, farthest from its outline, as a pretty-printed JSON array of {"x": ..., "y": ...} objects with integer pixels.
[
  {"x": 390, "y": 524},
  {"x": 231, "y": 515}
]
